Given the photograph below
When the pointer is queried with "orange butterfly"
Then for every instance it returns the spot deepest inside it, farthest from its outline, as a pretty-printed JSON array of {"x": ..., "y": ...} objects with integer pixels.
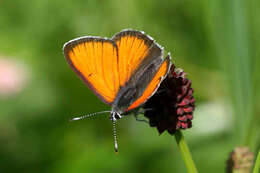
[{"x": 123, "y": 71}]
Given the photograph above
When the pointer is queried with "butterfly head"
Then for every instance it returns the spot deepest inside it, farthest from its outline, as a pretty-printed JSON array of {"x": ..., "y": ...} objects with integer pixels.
[{"x": 115, "y": 116}]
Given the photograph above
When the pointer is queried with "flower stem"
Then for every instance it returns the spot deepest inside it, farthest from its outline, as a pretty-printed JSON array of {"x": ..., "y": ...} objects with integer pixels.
[
  {"x": 257, "y": 163},
  {"x": 185, "y": 152}
]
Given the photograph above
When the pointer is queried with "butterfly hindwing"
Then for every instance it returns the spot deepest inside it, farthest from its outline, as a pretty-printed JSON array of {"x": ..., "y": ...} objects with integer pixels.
[{"x": 153, "y": 83}]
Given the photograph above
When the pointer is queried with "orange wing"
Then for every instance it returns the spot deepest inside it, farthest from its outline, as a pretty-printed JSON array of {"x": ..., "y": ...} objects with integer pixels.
[
  {"x": 134, "y": 47},
  {"x": 154, "y": 84},
  {"x": 95, "y": 61}
]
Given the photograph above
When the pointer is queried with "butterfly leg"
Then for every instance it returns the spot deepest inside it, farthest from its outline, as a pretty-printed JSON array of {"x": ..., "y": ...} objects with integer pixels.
[{"x": 140, "y": 120}]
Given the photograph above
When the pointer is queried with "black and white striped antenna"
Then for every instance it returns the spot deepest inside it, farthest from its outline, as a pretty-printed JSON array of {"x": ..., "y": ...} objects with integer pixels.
[
  {"x": 115, "y": 135},
  {"x": 89, "y": 115}
]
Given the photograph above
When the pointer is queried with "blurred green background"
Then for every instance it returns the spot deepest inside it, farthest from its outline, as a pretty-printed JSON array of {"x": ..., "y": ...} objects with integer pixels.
[{"x": 216, "y": 42}]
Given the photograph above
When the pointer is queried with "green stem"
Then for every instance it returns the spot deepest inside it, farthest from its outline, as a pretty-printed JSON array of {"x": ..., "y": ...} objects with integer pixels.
[
  {"x": 185, "y": 152},
  {"x": 257, "y": 163}
]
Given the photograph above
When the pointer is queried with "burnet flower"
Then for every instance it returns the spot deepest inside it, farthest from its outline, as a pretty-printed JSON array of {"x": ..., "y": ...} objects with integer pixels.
[{"x": 171, "y": 107}]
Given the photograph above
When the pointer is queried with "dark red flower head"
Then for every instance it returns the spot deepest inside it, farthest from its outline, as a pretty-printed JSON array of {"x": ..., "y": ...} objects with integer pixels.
[{"x": 171, "y": 107}]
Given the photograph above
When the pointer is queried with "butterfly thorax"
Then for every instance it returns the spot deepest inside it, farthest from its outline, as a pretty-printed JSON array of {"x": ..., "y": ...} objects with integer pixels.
[{"x": 124, "y": 98}]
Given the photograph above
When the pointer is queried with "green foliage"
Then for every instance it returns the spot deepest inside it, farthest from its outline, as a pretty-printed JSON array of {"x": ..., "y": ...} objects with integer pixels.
[{"x": 257, "y": 164}]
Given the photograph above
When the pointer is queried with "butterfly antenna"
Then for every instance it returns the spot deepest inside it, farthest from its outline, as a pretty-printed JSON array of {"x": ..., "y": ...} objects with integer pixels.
[
  {"x": 115, "y": 136},
  {"x": 89, "y": 115}
]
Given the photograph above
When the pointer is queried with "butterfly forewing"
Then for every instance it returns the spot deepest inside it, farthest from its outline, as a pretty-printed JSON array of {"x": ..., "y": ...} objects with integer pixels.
[
  {"x": 134, "y": 48},
  {"x": 95, "y": 61}
]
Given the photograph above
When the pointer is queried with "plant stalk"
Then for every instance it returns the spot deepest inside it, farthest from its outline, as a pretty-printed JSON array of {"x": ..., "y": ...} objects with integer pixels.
[
  {"x": 185, "y": 152},
  {"x": 257, "y": 163}
]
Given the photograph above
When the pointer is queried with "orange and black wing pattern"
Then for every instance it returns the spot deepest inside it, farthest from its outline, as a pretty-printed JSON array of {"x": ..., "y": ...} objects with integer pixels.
[
  {"x": 134, "y": 47},
  {"x": 142, "y": 68},
  {"x": 95, "y": 61}
]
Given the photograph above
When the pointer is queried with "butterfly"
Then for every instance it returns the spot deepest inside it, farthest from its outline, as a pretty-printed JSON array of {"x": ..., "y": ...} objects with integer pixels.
[{"x": 123, "y": 71}]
